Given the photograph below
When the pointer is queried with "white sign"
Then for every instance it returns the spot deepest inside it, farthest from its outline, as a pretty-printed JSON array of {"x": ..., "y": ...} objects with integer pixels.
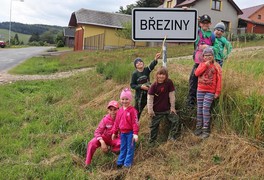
[{"x": 153, "y": 24}]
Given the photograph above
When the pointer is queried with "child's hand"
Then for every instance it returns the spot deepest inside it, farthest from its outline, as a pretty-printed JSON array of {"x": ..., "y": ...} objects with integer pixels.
[
  {"x": 135, "y": 137},
  {"x": 151, "y": 113},
  {"x": 216, "y": 96},
  {"x": 103, "y": 146},
  {"x": 113, "y": 136},
  {"x": 144, "y": 87},
  {"x": 203, "y": 46},
  {"x": 207, "y": 63},
  {"x": 157, "y": 56},
  {"x": 173, "y": 111}
]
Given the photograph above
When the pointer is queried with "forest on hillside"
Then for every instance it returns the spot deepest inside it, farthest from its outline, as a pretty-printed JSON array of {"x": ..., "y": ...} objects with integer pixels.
[
  {"x": 32, "y": 34},
  {"x": 30, "y": 28}
]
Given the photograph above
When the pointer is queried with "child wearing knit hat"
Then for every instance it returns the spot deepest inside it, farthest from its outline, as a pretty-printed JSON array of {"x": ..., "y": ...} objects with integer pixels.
[
  {"x": 209, "y": 75},
  {"x": 127, "y": 124},
  {"x": 140, "y": 82},
  {"x": 222, "y": 55},
  {"x": 204, "y": 39}
]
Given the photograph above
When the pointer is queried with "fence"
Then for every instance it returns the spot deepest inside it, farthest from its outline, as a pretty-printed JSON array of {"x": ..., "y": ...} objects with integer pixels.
[{"x": 94, "y": 42}]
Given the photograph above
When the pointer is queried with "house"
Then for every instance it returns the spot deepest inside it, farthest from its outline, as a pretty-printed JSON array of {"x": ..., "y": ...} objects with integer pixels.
[
  {"x": 225, "y": 11},
  {"x": 97, "y": 30},
  {"x": 252, "y": 19},
  {"x": 68, "y": 34}
]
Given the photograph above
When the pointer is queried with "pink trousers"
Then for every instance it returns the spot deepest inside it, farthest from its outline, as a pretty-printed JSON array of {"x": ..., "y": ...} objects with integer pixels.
[{"x": 94, "y": 144}]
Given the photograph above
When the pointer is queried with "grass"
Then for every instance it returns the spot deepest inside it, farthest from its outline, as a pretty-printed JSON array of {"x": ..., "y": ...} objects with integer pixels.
[
  {"x": 75, "y": 60},
  {"x": 45, "y": 125},
  {"x": 22, "y": 37}
]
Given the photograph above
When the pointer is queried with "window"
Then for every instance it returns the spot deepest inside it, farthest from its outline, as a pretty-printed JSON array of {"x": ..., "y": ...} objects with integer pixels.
[
  {"x": 216, "y": 5},
  {"x": 227, "y": 25},
  {"x": 259, "y": 16}
]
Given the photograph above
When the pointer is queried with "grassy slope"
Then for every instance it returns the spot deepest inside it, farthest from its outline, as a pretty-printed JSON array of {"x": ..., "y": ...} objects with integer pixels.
[
  {"x": 5, "y": 35},
  {"x": 50, "y": 122}
]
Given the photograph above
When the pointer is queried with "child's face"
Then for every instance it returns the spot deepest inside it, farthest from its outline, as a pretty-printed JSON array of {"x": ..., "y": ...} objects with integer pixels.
[
  {"x": 218, "y": 33},
  {"x": 112, "y": 111},
  {"x": 140, "y": 65},
  {"x": 205, "y": 25},
  {"x": 161, "y": 78},
  {"x": 125, "y": 102},
  {"x": 208, "y": 57}
]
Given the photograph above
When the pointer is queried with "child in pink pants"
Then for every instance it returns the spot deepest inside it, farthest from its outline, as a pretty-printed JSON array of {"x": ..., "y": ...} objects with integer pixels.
[{"x": 102, "y": 135}]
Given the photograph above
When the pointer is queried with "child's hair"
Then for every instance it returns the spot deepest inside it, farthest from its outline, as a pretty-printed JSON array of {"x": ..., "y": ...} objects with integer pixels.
[
  {"x": 162, "y": 70},
  {"x": 137, "y": 60}
]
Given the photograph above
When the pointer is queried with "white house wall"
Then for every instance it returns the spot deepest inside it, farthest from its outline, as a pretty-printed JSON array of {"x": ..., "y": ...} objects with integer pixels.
[{"x": 228, "y": 13}]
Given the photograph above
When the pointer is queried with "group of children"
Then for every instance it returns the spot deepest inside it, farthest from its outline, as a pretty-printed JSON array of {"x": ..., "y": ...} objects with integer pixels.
[
  {"x": 206, "y": 75},
  {"x": 118, "y": 130}
]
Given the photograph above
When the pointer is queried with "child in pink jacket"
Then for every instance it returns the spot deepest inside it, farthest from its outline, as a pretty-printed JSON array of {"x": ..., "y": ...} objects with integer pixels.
[
  {"x": 127, "y": 123},
  {"x": 102, "y": 135}
]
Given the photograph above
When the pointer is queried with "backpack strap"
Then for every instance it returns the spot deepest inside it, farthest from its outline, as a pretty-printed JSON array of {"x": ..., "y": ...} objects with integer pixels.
[
  {"x": 200, "y": 36},
  {"x": 213, "y": 38}
]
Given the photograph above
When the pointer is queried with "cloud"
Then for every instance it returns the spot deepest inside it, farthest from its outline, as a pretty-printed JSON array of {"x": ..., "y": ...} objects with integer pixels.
[
  {"x": 53, "y": 12},
  {"x": 58, "y": 12}
]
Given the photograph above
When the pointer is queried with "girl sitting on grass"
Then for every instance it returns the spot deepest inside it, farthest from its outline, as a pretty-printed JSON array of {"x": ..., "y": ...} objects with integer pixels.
[{"x": 103, "y": 133}]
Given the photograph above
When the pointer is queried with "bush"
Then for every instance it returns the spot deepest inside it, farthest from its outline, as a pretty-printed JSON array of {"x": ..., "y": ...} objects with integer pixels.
[
  {"x": 60, "y": 43},
  {"x": 248, "y": 37},
  {"x": 118, "y": 71}
]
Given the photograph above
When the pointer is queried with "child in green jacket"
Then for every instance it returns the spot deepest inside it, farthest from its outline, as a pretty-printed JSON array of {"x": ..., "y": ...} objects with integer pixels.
[{"x": 223, "y": 43}]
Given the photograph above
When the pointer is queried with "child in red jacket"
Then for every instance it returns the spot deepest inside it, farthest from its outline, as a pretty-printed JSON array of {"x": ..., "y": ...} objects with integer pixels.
[
  {"x": 102, "y": 135},
  {"x": 127, "y": 124},
  {"x": 209, "y": 88}
]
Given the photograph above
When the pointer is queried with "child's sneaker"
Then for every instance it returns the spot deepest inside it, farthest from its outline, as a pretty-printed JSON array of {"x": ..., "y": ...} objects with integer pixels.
[
  {"x": 198, "y": 131},
  {"x": 205, "y": 133},
  {"x": 119, "y": 166}
]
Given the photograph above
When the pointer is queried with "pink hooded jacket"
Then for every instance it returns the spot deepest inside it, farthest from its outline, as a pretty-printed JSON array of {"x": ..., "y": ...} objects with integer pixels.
[
  {"x": 105, "y": 127},
  {"x": 126, "y": 121}
]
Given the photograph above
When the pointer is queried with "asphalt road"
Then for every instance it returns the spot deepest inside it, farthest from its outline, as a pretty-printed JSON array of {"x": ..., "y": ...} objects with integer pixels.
[{"x": 9, "y": 58}]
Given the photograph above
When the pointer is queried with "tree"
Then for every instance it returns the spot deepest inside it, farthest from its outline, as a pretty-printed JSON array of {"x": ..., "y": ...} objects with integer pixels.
[
  {"x": 34, "y": 37},
  {"x": 140, "y": 3},
  {"x": 60, "y": 41},
  {"x": 148, "y": 3},
  {"x": 126, "y": 31},
  {"x": 16, "y": 40},
  {"x": 128, "y": 9},
  {"x": 48, "y": 37}
]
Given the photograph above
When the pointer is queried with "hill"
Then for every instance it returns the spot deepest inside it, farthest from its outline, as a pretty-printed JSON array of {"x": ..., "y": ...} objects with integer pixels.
[
  {"x": 24, "y": 31},
  {"x": 30, "y": 28},
  {"x": 4, "y": 34},
  {"x": 56, "y": 119}
]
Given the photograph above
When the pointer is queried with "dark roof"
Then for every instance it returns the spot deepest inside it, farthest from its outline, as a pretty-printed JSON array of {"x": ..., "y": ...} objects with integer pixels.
[
  {"x": 191, "y": 2},
  {"x": 69, "y": 32},
  {"x": 247, "y": 12},
  {"x": 99, "y": 18}
]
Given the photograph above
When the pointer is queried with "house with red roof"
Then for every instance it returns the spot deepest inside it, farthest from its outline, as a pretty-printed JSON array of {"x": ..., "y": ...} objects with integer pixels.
[
  {"x": 225, "y": 11},
  {"x": 252, "y": 19}
]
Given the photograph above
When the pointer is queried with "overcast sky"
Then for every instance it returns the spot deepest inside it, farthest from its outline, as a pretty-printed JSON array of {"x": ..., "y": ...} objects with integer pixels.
[{"x": 58, "y": 12}]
